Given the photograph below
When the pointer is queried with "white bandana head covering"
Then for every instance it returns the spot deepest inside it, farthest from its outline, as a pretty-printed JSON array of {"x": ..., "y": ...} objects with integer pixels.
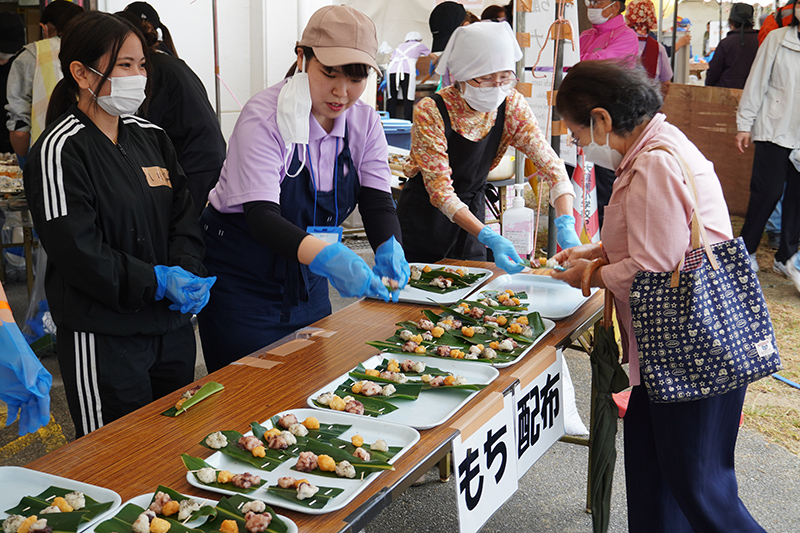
[
  {"x": 479, "y": 49},
  {"x": 413, "y": 36}
]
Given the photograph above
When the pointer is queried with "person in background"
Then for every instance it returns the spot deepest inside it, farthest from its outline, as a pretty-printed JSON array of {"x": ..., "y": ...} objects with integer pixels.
[
  {"x": 777, "y": 19},
  {"x": 402, "y": 70},
  {"x": 24, "y": 382},
  {"x": 769, "y": 114},
  {"x": 458, "y": 136},
  {"x": 494, "y": 13},
  {"x": 12, "y": 39},
  {"x": 302, "y": 155},
  {"x": 608, "y": 38},
  {"x": 679, "y": 457},
  {"x": 443, "y": 21},
  {"x": 33, "y": 75},
  {"x": 736, "y": 52},
  {"x": 146, "y": 12},
  {"x": 178, "y": 102},
  {"x": 124, "y": 251},
  {"x": 641, "y": 18}
]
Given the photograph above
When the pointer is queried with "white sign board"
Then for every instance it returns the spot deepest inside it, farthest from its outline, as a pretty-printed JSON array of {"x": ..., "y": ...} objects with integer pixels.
[
  {"x": 539, "y": 408},
  {"x": 485, "y": 461}
]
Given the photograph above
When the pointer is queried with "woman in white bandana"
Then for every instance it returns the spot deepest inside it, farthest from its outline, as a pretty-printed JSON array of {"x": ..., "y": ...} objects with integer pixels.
[{"x": 459, "y": 135}]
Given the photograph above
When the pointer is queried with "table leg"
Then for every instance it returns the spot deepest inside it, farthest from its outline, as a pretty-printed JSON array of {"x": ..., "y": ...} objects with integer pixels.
[{"x": 444, "y": 468}]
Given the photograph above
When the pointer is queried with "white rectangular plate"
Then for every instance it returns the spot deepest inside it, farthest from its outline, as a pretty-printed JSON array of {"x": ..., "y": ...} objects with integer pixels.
[
  {"x": 143, "y": 501},
  {"x": 418, "y": 296},
  {"x": 369, "y": 428},
  {"x": 554, "y": 299},
  {"x": 18, "y": 482},
  {"x": 432, "y": 407}
]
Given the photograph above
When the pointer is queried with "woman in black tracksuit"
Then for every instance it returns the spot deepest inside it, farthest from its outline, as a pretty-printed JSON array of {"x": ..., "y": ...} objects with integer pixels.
[{"x": 110, "y": 205}]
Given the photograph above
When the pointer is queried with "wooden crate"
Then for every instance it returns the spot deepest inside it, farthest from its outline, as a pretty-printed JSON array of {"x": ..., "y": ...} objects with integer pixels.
[{"x": 707, "y": 115}]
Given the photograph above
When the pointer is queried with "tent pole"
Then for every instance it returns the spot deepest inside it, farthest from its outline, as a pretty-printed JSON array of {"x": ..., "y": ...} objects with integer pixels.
[
  {"x": 217, "y": 95},
  {"x": 555, "y": 137},
  {"x": 674, "y": 36}
]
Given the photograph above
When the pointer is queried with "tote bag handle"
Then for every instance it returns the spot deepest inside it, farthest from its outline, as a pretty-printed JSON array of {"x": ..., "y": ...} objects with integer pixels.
[{"x": 698, "y": 229}]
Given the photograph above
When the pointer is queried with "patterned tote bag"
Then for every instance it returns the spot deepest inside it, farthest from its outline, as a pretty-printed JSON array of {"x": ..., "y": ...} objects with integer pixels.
[{"x": 703, "y": 329}]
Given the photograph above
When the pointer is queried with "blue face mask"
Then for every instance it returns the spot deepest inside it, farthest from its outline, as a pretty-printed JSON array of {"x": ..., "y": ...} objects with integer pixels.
[{"x": 602, "y": 155}]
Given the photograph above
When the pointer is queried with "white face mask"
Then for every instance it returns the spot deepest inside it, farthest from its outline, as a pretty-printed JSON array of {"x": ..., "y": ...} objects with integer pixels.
[
  {"x": 595, "y": 15},
  {"x": 604, "y": 155},
  {"x": 483, "y": 100},
  {"x": 127, "y": 94},
  {"x": 294, "y": 109}
]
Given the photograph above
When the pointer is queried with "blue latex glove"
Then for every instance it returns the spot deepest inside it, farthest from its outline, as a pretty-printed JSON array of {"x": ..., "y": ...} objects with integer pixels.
[
  {"x": 565, "y": 232},
  {"x": 432, "y": 68},
  {"x": 505, "y": 256},
  {"x": 348, "y": 273},
  {"x": 382, "y": 86},
  {"x": 189, "y": 293},
  {"x": 390, "y": 261},
  {"x": 24, "y": 382}
]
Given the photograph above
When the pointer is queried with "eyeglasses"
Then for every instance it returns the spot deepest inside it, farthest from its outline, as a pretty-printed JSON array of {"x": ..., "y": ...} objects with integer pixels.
[
  {"x": 487, "y": 84},
  {"x": 597, "y": 3}
]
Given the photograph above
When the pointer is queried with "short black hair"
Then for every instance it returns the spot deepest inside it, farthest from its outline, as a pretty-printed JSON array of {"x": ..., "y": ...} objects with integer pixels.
[{"x": 626, "y": 92}]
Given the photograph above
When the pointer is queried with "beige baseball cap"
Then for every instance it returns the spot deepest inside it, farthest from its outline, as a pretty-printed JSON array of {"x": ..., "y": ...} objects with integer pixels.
[{"x": 340, "y": 35}]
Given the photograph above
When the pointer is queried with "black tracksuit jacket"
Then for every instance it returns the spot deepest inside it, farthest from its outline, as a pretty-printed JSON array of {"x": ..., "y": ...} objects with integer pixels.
[{"x": 106, "y": 214}]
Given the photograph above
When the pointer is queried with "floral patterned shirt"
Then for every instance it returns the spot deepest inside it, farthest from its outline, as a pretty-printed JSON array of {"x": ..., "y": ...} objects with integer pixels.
[{"x": 429, "y": 145}]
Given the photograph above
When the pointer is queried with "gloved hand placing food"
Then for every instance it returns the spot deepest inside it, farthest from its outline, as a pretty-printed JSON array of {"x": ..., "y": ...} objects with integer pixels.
[
  {"x": 505, "y": 256},
  {"x": 565, "y": 232},
  {"x": 189, "y": 293},
  {"x": 390, "y": 263},
  {"x": 348, "y": 273},
  {"x": 24, "y": 382}
]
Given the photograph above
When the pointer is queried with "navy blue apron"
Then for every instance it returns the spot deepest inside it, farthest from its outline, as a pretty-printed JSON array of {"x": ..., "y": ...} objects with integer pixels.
[
  {"x": 260, "y": 296},
  {"x": 428, "y": 235}
]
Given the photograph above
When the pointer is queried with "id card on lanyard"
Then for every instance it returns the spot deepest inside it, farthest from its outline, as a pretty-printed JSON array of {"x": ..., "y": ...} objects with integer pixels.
[{"x": 329, "y": 234}]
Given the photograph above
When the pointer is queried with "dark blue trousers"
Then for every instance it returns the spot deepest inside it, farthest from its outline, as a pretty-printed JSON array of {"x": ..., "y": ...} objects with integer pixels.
[{"x": 679, "y": 465}]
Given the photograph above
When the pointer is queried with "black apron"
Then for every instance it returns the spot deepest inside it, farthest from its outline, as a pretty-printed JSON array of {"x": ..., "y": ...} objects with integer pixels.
[
  {"x": 428, "y": 235},
  {"x": 260, "y": 296}
]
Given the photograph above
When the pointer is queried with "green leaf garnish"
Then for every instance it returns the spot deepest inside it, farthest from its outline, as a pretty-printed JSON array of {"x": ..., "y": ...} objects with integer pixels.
[
  {"x": 195, "y": 463},
  {"x": 212, "y": 387}
]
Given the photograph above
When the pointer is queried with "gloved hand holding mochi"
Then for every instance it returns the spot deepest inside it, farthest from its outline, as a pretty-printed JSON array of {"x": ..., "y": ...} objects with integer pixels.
[
  {"x": 390, "y": 262},
  {"x": 348, "y": 273}
]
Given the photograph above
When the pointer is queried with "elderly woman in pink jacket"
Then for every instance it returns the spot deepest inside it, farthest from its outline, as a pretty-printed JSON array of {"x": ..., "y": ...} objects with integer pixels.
[{"x": 678, "y": 456}]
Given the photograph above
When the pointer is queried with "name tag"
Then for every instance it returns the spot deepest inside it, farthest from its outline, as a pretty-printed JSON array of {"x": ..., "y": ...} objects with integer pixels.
[
  {"x": 157, "y": 176},
  {"x": 329, "y": 234}
]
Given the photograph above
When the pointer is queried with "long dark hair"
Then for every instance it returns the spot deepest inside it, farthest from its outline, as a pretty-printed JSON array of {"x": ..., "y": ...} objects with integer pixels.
[
  {"x": 86, "y": 39},
  {"x": 149, "y": 32},
  {"x": 627, "y": 93},
  {"x": 356, "y": 71}
]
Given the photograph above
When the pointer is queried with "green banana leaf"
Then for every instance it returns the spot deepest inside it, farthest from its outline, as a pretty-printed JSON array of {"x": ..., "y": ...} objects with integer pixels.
[
  {"x": 293, "y": 450},
  {"x": 408, "y": 391},
  {"x": 347, "y": 446},
  {"x": 269, "y": 462},
  {"x": 363, "y": 468},
  {"x": 125, "y": 517},
  {"x": 430, "y": 370},
  {"x": 325, "y": 432},
  {"x": 373, "y": 406},
  {"x": 318, "y": 501},
  {"x": 29, "y": 505},
  {"x": 205, "y": 510},
  {"x": 212, "y": 387},
  {"x": 62, "y": 522},
  {"x": 459, "y": 282},
  {"x": 228, "y": 509},
  {"x": 195, "y": 463}
]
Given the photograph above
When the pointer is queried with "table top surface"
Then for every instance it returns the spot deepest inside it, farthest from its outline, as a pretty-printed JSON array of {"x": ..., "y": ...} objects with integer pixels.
[{"x": 138, "y": 452}]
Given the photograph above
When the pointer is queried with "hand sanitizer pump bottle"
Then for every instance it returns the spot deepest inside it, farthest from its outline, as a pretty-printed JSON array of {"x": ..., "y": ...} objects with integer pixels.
[{"x": 518, "y": 223}]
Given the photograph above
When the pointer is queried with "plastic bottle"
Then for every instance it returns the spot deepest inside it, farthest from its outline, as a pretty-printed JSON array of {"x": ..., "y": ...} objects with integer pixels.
[{"x": 518, "y": 223}]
